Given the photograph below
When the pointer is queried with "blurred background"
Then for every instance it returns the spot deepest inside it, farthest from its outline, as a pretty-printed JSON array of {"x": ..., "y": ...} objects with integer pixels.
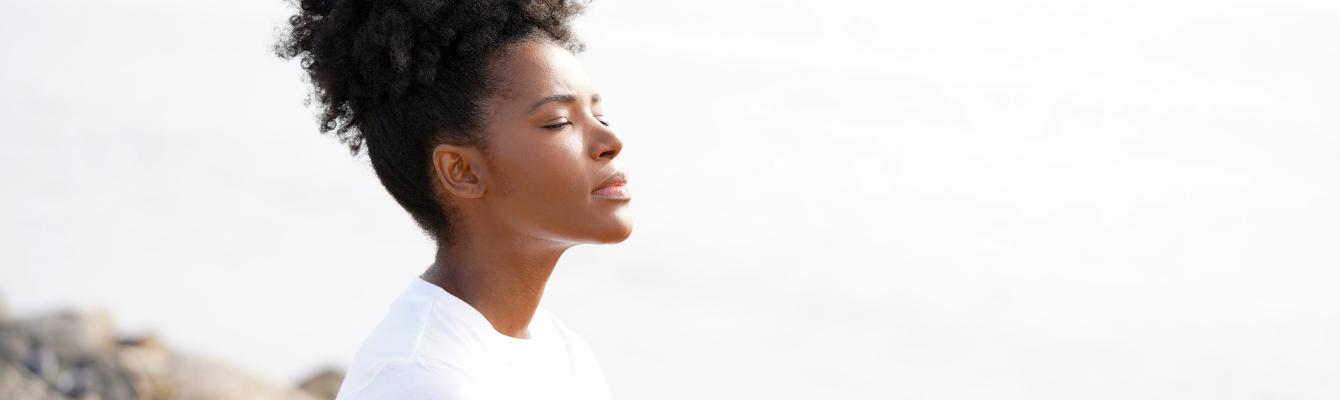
[{"x": 1038, "y": 199}]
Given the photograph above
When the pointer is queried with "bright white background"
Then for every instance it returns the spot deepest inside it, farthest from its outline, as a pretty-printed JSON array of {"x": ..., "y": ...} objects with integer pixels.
[{"x": 1040, "y": 199}]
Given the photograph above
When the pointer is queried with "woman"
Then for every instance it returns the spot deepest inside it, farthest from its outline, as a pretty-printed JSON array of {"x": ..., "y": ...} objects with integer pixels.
[{"x": 480, "y": 122}]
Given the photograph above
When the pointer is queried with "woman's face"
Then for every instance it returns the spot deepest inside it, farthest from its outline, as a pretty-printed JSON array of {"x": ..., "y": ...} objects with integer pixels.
[{"x": 551, "y": 173}]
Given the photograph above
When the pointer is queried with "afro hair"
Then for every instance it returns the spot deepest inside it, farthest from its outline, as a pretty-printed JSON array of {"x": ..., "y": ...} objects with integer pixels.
[{"x": 394, "y": 78}]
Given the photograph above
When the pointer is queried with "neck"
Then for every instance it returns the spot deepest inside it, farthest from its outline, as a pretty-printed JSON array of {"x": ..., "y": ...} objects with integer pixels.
[{"x": 502, "y": 278}]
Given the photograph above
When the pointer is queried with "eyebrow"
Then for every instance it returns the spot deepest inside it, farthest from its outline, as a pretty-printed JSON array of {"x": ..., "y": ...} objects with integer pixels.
[{"x": 559, "y": 98}]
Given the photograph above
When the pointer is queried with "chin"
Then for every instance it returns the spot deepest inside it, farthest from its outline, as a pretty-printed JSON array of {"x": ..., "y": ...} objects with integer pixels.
[
  {"x": 615, "y": 234},
  {"x": 612, "y": 230}
]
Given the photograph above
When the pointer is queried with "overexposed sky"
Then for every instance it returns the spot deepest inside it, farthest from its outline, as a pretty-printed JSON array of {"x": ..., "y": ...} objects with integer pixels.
[{"x": 926, "y": 200}]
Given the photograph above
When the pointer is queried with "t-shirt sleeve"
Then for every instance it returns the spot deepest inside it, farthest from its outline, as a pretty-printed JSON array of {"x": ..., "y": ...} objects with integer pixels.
[{"x": 416, "y": 380}]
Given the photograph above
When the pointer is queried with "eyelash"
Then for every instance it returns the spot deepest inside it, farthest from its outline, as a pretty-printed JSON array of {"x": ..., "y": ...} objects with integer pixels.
[{"x": 563, "y": 124}]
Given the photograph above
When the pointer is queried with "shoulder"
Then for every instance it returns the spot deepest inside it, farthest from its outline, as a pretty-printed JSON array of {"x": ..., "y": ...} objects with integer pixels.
[
  {"x": 418, "y": 350},
  {"x": 419, "y": 326},
  {"x": 413, "y": 379}
]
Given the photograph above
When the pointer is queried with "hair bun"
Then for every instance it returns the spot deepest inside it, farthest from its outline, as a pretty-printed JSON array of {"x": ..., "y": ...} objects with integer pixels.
[{"x": 394, "y": 76}]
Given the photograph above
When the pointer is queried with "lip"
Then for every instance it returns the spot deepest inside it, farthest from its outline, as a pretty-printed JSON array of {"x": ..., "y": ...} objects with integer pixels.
[{"x": 615, "y": 187}]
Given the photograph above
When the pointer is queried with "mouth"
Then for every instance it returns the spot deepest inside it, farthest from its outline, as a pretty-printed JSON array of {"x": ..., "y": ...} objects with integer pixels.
[{"x": 614, "y": 188}]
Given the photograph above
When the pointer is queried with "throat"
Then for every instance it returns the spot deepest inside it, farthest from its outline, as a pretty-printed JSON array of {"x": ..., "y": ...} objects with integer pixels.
[{"x": 504, "y": 288}]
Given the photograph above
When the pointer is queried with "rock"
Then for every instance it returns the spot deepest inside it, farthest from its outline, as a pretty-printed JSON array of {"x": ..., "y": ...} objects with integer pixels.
[
  {"x": 71, "y": 354},
  {"x": 76, "y": 356},
  {"x": 17, "y": 383},
  {"x": 198, "y": 378},
  {"x": 324, "y": 384},
  {"x": 72, "y": 333},
  {"x": 148, "y": 365}
]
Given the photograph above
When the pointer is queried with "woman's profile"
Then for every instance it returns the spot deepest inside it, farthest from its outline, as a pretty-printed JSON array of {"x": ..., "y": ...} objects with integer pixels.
[{"x": 479, "y": 121}]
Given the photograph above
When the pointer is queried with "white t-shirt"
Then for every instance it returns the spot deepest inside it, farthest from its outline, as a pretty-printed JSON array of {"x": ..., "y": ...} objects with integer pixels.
[{"x": 433, "y": 346}]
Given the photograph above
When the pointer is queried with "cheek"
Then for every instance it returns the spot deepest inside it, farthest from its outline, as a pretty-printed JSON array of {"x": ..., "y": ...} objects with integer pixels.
[
  {"x": 546, "y": 192},
  {"x": 546, "y": 181}
]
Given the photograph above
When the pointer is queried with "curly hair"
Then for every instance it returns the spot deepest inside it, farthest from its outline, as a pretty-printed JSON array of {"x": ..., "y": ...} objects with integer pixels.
[{"x": 397, "y": 77}]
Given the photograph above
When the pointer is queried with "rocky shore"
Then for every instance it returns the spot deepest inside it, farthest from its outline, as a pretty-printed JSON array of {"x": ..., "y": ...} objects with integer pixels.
[{"x": 77, "y": 355}]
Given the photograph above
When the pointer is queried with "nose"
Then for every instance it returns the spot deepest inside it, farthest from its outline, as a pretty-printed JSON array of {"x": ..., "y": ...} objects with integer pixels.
[{"x": 605, "y": 142}]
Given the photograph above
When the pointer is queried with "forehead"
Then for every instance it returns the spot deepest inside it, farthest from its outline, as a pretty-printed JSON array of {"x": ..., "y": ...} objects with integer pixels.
[{"x": 533, "y": 69}]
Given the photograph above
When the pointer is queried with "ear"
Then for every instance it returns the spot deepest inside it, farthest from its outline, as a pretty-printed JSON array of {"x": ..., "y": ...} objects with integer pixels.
[{"x": 457, "y": 169}]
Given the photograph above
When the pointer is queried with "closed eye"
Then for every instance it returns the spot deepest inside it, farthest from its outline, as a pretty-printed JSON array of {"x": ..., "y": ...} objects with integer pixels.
[{"x": 557, "y": 126}]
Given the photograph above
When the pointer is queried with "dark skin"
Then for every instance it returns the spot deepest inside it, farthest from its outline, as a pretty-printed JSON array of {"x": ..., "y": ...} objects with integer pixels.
[{"x": 549, "y": 183}]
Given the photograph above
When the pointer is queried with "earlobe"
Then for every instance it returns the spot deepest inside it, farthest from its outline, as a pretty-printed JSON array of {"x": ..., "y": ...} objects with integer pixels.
[{"x": 454, "y": 170}]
